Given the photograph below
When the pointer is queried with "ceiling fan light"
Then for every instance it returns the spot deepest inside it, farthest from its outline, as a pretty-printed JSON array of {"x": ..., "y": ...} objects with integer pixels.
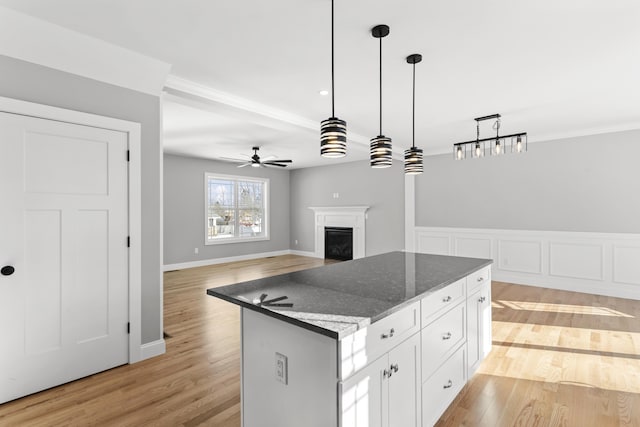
[
  {"x": 413, "y": 161},
  {"x": 333, "y": 138},
  {"x": 380, "y": 150}
]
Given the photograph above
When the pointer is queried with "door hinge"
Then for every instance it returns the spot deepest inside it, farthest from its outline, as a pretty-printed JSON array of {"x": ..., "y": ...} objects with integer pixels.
[
  {"x": 128, "y": 241},
  {"x": 128, "y": 155},
  {"x": 128, "y": 327}
]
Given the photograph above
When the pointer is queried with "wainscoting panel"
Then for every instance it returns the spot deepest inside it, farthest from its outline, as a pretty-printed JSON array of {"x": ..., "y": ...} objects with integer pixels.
[
  {"x": 473, "y": 247},
  {"x": 433, "y": 244},
  {"x": 520, "y": 256},
  {"x": 596, "y": 263},
  {"x": 577, "y": 260},
  {"x": 626, "y": 264}
]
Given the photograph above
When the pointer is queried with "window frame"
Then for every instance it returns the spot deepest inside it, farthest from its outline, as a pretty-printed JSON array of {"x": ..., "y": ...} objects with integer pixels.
[{"x": 266, "y": 213}]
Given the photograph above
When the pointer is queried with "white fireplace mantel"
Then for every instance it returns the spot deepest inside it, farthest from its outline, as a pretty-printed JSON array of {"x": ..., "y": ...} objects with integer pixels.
[{"x": 340, "y": 216}]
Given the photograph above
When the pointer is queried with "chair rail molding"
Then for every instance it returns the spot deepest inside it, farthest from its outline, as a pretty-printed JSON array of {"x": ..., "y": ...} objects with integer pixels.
[{"x": 590, "y": 262}]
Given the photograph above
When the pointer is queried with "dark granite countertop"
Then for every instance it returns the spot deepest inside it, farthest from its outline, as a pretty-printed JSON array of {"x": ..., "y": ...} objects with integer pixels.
[{"x": 337, "y": 299}]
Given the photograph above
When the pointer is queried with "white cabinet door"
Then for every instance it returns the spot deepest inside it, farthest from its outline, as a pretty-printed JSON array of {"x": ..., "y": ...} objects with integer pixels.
[
  {"x": 478, "y": 327},
  {"x": 404, "y": 384},
  {"x": 63, "y": 227},
  {"x": 364, "y": 396}
]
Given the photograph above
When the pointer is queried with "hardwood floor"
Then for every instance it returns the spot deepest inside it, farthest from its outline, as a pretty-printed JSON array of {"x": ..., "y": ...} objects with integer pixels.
[{"x": 558, "y": 359}]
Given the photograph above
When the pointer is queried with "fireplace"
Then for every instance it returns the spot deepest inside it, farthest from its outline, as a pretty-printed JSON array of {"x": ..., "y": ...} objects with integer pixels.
[
  {"x": 338, "y": 243},
  {"x": 353, "y": 217}
]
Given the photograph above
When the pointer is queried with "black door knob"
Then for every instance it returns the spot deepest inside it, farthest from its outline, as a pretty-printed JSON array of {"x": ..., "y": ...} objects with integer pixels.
[{"x": 7, "y": 270}]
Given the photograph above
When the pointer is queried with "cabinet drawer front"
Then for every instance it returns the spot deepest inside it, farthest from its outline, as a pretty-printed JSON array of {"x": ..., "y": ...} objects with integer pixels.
[
  {"x": 440, "y": 337},
  {"x": 442, "y": 387},
  {"x": 477, "y": 279},
  {"x": 369, "y": 343},
  {"x": 442, "y": 299}
]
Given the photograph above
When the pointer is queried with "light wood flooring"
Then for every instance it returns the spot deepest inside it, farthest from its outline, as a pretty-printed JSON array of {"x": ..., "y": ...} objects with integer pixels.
[{"x": 558, "y": 359}]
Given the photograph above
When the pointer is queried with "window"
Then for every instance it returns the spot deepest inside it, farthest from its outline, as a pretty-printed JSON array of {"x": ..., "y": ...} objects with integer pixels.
[{"x": 235, "y": 208}]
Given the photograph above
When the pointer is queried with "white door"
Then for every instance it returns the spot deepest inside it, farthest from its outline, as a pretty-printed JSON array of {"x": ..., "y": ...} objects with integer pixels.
[{"x": 63, "y": 230}]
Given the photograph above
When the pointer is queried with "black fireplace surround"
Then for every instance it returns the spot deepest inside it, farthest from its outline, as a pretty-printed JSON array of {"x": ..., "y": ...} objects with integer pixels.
[{"x": 338, "y": 243}]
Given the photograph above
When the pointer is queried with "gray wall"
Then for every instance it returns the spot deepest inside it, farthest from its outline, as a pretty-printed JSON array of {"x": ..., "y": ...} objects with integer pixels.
[
  {"x": 589, "y": 183},
  {"x": 358, "y": 184},
  {"x": 35, "y": 83},
  {"x": 184, "y": 210}
]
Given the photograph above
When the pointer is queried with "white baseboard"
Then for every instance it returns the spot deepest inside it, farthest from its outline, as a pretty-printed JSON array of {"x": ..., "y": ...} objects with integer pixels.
[
  {"x": 213, "y": 261},
  {"x": 595, "y": 263},
  {"x": 152, "y": 349},
  {"x": 309, "y": 254}
]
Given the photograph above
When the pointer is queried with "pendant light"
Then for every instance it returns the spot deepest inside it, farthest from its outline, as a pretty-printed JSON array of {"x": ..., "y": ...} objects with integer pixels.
[
  {"x": 380, "y": 145},
  {"x": 333, "y": 131},
  {"x": 413, "y": 155}
]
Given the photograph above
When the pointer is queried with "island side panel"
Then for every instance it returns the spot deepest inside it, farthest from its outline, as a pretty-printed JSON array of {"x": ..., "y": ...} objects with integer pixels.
[{"x": 309, "y": 396}]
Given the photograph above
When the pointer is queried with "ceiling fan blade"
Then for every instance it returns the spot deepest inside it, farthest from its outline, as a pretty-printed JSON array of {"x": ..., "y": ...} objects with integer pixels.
[
  {"x": 280, "y": 161},
  {"x": 244, "y": 164},
  {"x": 230, "y": 159},
  {"x": 274, "y": 164}
]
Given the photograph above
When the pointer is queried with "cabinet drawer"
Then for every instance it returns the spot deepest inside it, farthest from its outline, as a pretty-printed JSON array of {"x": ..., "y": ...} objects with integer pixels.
[
  {"x": 442, "y": 299},
  {"x": 478, "y": 278},
  {"x": 441, "y": 337},
  {"x": 369, "y": 343},
  {"x": 442, "y": 387}
]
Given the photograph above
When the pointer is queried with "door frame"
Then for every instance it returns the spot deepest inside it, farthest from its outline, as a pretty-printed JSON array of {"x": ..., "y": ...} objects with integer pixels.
[{"x": 133, "y": 131}]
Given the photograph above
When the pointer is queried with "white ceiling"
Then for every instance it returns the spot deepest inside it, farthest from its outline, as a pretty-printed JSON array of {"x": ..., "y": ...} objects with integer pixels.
[{"x": 551, "y": 68}]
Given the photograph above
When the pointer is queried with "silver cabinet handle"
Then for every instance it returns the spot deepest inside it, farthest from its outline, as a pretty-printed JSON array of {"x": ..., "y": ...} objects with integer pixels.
[
  {"x": 394, "y": 367},
  {"x": 446, "y": 336},
  {"x": 446, "y": 299},
  {"x": 480, "y": 279},
  {"x": 389, "y": 335},
  {"x": 482, "y": 299},
  {"x": 448, "y": 385},
  {"x": 387, "y": 374}
]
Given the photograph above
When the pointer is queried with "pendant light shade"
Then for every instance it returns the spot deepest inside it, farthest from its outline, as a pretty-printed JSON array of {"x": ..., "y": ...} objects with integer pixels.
[
  {"x": 333, "y": 137},
  {"x": 413, "y": 161},
  {"x": 380, "y": 145},
  {"x": 333, "y": 131},
  {"x": 413, "y": 155},
  {"x": 380, "y": 152}
]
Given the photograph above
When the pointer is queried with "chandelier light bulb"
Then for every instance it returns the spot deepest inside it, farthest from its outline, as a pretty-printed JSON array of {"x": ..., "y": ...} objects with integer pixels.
[
  {"x": 498, "y": 147},
  {"x": 478, "y": 151},
  {"x": 519, "y": 145},
  {"x": 459, "y": 153}
]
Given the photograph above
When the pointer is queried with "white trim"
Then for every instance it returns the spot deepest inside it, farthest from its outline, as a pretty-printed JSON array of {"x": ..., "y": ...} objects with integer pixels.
[
  {"x": 79, "y": 54},
  {"x": 214, "y": 261},
  {"x": 340, "y": 216},
  {"x": 266, "y": 182},
  {"x": 409, "y": 212},
  {"x": 309, "y": 254},
  {"x": 133, "y": 131},
  {"x": 528, "y": 257},
  {"x": 153, "y": 349},
  {"x": 161, "y": 225}
]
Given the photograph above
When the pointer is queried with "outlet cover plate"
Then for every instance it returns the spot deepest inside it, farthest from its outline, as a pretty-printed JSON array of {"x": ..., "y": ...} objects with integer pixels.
[{"x": 281, "y": 368}]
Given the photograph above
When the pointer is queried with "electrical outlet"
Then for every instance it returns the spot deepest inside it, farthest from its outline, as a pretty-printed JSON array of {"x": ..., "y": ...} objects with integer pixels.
[
  {"x": 281, "y": 368},
  {"x": 195, "y": 251},
  {"x": 296, "y": 243}
]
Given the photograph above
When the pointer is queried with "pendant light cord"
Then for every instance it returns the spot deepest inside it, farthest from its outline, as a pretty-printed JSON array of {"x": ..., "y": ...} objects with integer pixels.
[
  {"x": 380, "y": 86},
  {"x": 333, "y": 102},
  {"x": 413, "y": 143}
]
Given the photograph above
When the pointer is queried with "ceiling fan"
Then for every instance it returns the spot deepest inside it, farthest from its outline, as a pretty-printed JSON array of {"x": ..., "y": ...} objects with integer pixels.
[{"x": 256, "y": 162}]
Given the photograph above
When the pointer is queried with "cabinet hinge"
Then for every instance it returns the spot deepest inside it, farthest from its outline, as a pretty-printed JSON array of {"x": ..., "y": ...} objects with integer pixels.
[
  {"x": 128, "y": 241},
  {"x": 128, "y": 327},
  {"x": 128, "y": 155}
]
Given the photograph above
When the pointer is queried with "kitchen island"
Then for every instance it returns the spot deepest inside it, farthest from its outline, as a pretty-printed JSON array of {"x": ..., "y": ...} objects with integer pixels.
[{"x": 387, "y": 340}]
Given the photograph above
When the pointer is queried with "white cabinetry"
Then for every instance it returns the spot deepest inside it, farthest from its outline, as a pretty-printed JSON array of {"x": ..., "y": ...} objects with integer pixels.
[
  {"x": 386, "y": 393},
  {"x": 478, "y": 319}
]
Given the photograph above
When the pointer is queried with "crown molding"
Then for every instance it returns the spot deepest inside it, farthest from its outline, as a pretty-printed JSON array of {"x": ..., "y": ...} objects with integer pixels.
[{"x": 40, "y": 42}]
